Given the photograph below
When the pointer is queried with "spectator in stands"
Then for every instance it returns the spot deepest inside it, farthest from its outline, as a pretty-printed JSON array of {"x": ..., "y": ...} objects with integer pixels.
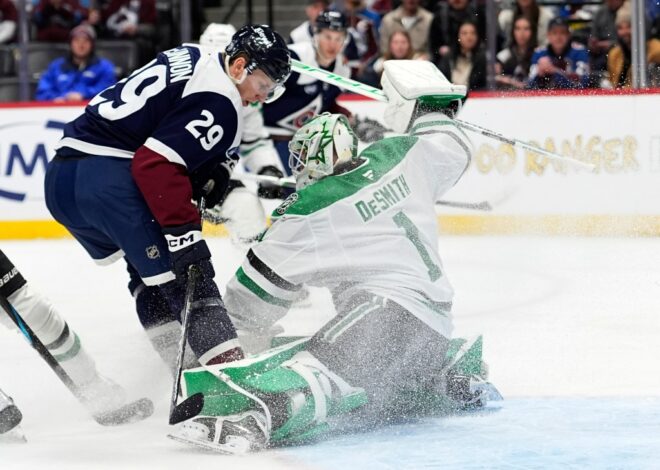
[
  {"x": 8, "y": 19},
  {"x": 560, "y": 64},
  {"x": 443, "y": 33},
  {"x": 408, "y": 17},
  {"x": 55, "y": 19},
  {"x": 80, "y": 75},
  {"x": 304, "y": 32},
  {"x": 133, "y": 20},
  {"x": 512, "y": 66},
  {"x": 603, "y": 33},
  {"x": 539, "y": 16},
  {"x": 400, "y": 48},
  {"x": 363, "y": 32},
  {"x": 619, "y": 59},
  {"x": 466, "y": 65}
]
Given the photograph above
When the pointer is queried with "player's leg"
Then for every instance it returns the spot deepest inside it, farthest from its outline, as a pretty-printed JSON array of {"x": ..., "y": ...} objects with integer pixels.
[
  {"x": 112, "y": 203},
  {"x": 98, "y": 393},
  {"x": 159, "y": 322},
  {"x": 379, "y": 346}
]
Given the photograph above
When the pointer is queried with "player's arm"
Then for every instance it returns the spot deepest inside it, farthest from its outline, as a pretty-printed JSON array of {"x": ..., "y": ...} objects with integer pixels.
[{"x": 271, "y": 276}]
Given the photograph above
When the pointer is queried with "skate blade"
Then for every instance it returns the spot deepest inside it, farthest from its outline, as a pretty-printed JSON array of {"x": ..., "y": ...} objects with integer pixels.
[
  {"x": 225, "y": 449},
  {"x": 130, "y": 413}
]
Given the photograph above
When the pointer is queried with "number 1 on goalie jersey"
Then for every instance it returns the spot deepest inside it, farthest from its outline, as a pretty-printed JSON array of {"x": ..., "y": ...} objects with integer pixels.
[{"x": 412, "y": 232}]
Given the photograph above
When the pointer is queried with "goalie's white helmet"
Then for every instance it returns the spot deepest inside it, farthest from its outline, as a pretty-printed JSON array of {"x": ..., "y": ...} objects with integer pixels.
[
  {"x": 217, "y": 35},
  {"x": 320, "y": 146}
]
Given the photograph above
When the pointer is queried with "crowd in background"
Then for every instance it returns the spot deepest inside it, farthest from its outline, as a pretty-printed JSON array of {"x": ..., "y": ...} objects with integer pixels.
[{"x": 579, "y": 45}]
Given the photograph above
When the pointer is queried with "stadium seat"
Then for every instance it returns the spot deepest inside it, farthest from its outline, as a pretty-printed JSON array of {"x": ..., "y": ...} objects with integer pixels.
[
  {"x": 7, "y": 62},
  {"x": 41, "y": 54},
  {"x": 123, "y": 54},
  {"x": 10, "y": 89}
]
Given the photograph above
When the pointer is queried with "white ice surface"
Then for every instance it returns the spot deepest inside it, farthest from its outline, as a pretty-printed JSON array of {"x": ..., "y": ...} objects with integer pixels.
[{"x": 572, "y": 337}]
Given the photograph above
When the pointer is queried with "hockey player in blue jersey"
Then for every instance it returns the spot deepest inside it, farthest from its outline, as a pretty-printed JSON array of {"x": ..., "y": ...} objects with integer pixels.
[
  {"x": 304, "y": 96},
  {"x": 126, "y": 170}
]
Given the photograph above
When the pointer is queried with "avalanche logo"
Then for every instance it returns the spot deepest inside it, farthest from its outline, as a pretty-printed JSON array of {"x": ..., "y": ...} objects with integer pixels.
[{"x": 23, "y": 149}]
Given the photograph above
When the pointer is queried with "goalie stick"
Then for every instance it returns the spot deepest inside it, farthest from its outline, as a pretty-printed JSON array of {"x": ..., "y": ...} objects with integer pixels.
[
  {"x": 131, "y": 412},
  {"x": 378, "y": 95}
]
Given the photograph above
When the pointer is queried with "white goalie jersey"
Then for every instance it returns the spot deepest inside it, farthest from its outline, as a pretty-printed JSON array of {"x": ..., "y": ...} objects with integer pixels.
[{"x": 370, "y": 228}]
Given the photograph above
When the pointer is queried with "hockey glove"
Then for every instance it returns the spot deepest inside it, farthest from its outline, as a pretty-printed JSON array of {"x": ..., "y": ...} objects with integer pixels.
[
  {"x": 270, "y": 190},
  {"x": 186, "y": 247},
  {"x": 211, "y": 181},
  {"x": 369, "y": 130}
]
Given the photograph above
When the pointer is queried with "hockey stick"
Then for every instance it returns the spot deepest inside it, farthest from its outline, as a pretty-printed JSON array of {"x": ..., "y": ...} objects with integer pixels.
[
  {"x": 290, "y": 182},
  {"x": 378, "y": 95},
  {"x": 191, "y": 406},
  {"x": 135, "y": 411}
]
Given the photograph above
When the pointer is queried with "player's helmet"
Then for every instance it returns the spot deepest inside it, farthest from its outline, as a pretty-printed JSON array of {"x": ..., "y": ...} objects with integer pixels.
[
  {"x": 320, "y": 146},
  {"x": 333, "y": 20},
  {"x": 265, "y": 50},
  {"x": 217, "y": 35}
]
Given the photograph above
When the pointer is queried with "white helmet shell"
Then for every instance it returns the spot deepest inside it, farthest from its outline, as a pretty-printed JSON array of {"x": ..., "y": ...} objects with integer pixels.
[
  {"x": 217, "y": 35},
  {"x": 320, "y": 146}
]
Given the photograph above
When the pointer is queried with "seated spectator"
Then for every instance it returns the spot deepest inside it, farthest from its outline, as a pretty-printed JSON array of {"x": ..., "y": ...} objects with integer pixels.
[
  {"x": 409, "y": 17},
  {"x": 134, "y": 20},
  {"x": 55, "y": 19},
  {"x": 363, "y": 33},
  {"x": 399, "y": 48},
  {"x": 443, "y": 33},
  {"x": 79, "y": 76},
  {"x": 560, "y": 64},
  {"x": 603, "y": 34},
  {"x": 466, "y": 65},
  {"x": 539, "y": 16},
  {"x": 512, "y": 66},
  {"x": 619, "y": 59},
  {"x": 304, "y": 32},
  {"x": 8, "y": 19}
]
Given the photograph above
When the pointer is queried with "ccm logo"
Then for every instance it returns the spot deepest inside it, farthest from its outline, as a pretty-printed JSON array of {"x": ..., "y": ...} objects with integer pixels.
[{"x": 182, "y": 241}]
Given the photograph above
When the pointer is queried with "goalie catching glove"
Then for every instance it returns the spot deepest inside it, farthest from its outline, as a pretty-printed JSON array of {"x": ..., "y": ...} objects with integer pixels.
[{"x": 415, "y": 87}]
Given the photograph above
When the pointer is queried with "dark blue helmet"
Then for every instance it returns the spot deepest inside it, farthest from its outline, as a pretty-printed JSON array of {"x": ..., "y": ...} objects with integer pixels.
[
  {"x": 264, "y": 49},
  {"x": 333, "y": 20}
]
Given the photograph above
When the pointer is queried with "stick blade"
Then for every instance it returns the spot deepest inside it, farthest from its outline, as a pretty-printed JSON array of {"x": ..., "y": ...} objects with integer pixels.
[
  {"x": 188, "y": 408},
  {"x": 131, "y": 413}
]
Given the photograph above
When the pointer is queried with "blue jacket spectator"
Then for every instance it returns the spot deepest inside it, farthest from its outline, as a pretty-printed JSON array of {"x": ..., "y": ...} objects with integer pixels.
[
  {"x": 79, "y": 76},
  {"x": 560, "y": 64}
]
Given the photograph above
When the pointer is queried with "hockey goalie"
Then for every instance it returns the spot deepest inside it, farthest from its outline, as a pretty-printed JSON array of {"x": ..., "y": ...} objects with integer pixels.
[{"x": 363, "y": 226}]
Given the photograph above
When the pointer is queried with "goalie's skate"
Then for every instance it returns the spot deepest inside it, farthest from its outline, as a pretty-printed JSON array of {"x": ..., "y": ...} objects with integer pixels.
[
  {"x": 236, "y": 434},
  {"x": 471, "y": 391}
]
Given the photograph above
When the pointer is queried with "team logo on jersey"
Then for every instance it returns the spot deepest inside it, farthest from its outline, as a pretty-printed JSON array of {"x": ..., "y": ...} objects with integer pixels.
[
  {"x": 152, "y": 252},
  {"x": 281, "y": 209}
]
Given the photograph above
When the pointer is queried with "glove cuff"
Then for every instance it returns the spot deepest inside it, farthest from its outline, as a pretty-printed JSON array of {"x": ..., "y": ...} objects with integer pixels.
[{"x": 183, "y": 236}]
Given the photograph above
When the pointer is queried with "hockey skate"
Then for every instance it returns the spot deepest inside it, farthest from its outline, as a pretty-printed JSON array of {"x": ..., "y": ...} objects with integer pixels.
[{"x": 235, "y": 434}]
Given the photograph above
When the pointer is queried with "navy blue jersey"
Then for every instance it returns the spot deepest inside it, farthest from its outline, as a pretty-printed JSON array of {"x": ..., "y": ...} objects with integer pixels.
[
  {"x": 179, "y": 113},
  {"x": 305, "y": 96},
  {"x": 181, "y": 103}
]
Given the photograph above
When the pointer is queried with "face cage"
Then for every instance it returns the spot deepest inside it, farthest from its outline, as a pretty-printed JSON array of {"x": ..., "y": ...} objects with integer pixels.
[{"x": 300, "y": 149}]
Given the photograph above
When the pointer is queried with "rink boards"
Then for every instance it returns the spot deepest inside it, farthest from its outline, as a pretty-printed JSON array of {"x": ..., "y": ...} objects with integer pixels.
[{"x": 618, "y": 133}]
